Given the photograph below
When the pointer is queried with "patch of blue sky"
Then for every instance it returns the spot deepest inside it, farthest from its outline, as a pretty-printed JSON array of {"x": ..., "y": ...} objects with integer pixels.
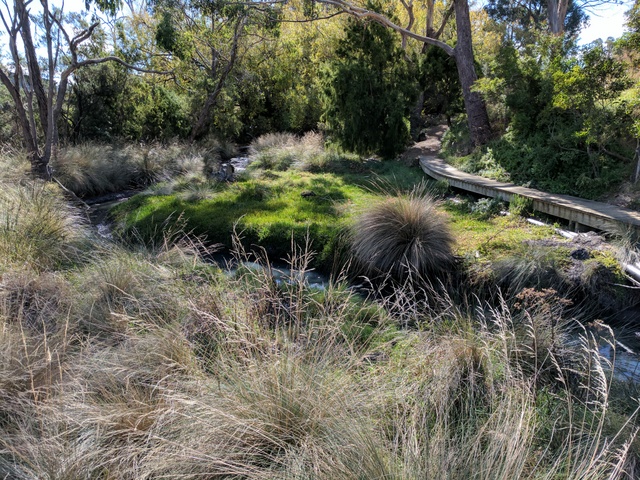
[{"x": 605, "y": 21}]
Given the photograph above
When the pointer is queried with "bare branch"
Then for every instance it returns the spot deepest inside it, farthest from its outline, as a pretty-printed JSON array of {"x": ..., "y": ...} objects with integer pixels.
[
  {"x": 96, "y": 61},
  {"x": 445, "y": 19},
  {"x": 363, "y": 13},
  {"x": 409, "y": 8},
  {"x": 83, "y": 35},
  {"x": 310, "y": 20}
]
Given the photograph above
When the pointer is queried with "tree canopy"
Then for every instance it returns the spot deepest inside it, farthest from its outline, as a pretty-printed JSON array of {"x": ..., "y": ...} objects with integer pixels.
[{"x": 369, "y": 76}]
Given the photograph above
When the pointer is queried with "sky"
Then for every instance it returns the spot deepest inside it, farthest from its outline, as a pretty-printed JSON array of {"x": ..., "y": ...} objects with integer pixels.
[{"x": 606, "y": 21}]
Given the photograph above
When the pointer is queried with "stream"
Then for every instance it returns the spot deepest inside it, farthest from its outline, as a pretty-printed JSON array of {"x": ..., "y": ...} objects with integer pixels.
[{"x": 625, "y": 356}]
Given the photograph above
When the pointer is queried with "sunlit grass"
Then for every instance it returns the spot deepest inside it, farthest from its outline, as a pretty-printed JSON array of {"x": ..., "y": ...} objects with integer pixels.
[
  {"x": 132, "y": 362},
  {"x": 494, "y": 236},
  {"x": 267, "y": 208}
]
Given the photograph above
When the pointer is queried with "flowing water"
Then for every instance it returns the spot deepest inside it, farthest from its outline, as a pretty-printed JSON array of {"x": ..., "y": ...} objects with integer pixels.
[{"x": 624, "y": 355}]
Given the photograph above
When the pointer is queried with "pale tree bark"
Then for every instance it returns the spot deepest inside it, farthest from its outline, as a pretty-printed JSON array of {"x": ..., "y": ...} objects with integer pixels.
[
  {"x": 556, "y": 14},
  {"x": 474, "y": 104},
  {"x": 408, "y": 6},
  {"x": 26, "y": 83}
]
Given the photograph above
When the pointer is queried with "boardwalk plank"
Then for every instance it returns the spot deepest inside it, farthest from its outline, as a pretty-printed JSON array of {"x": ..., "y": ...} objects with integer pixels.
[{"x": 601, "y": 216}]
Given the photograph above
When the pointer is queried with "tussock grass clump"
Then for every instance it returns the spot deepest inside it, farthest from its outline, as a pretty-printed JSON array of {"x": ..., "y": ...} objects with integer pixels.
[
  {"x": 533, "y": 266},
  {"x": 36, "y": 302},
  {"x": 403, "y": 235},
  {"x": 15, "y": 164},
  {"x": 39, "y": 229},
  {"x": 93, "y": 169},
  {"x": 273, "y": 140},
  {"x": 283, "y": 151},
  {"x": 125, "y": 291}
]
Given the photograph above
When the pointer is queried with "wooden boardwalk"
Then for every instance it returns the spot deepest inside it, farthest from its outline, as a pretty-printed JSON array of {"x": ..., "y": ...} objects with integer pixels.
[{"x": 577, "y": 211}]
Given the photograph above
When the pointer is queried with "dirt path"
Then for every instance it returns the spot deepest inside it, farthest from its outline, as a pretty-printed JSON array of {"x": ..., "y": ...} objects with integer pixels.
[{"x": 429, "y": 147}]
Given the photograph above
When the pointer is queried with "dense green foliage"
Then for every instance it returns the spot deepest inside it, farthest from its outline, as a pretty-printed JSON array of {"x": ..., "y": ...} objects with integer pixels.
[
  {"x": 438, "y": 80},
  {"x": 369, "y": 91},
  {"x": 110, "y": 104},
  {"x": 567, "y": 129}
]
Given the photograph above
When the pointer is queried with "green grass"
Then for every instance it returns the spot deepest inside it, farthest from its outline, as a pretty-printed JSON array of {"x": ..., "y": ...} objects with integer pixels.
[
  {"x": 491, "y": 237},
  {"x": 268, "y": 208},
  {"x": 131, "y": 362}
]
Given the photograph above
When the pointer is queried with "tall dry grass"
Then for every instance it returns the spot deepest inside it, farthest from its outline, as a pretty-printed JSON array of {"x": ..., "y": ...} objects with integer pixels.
[
  {"x": 153, "y": 364},
  {"x": 93, "y": 169},
  {"x": 281, "y": 151},
  {"x": 39, "y": 229}
]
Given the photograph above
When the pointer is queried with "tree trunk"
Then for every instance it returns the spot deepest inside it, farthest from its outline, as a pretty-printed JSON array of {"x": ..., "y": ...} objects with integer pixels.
[
  {"x": 556, "y": 14},
  {"x": 203, "y": 118},
  {"x": 474, "y": 104},
  {"x": 415, "y": 118},
  {"x": 637, "y": 175},
  {"x": 31, "y": 54}
]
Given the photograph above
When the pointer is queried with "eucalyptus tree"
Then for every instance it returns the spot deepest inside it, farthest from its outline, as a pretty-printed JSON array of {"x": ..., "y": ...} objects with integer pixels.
[
  {"x": 462, "y": 52},
  {"x": 208, "y": 40},
  {"x": 523, "y": 18},
  {"x": 38, "y": 86}
]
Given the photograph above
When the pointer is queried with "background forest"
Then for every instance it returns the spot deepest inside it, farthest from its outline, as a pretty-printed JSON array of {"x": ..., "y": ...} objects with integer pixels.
[{"x": 546, "y": 112}]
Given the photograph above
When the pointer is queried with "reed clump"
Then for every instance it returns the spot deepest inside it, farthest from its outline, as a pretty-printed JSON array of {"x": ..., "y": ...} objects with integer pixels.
[{"x": 403, "y": 235}]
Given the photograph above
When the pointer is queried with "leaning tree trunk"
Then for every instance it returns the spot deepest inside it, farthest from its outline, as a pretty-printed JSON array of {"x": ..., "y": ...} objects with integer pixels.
[{"x": 474, "y": 104}]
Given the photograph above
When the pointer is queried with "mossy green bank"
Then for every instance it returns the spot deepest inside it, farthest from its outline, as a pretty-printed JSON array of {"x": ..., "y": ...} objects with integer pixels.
[{"x": 267, "y": 208}]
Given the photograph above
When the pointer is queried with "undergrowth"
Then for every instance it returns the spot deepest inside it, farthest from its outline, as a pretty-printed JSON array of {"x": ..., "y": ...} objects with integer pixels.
[{"x": 144, "y": 362}]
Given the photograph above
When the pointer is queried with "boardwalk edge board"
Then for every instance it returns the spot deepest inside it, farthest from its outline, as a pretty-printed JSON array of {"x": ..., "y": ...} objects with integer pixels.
[{"x": 579, "y": 212}]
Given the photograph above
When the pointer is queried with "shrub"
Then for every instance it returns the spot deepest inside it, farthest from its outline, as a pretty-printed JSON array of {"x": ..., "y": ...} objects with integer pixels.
[
  {"x": 399, "y": 236},
  {"x": 487, "y": 207},
  {"x": 520, "y": 205},
  {"x": 369, "y": 91}
]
